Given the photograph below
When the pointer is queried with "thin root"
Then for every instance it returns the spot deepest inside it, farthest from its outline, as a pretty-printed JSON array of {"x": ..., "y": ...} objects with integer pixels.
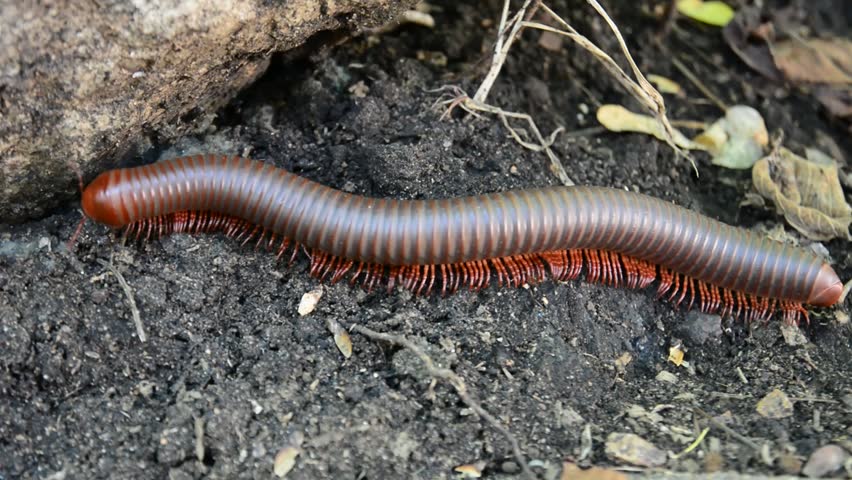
[{"x": 131, "y": 300}]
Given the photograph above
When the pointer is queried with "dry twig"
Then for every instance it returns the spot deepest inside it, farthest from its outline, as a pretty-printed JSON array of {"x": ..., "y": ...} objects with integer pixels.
[
  {"x": 457, "y": 383},
  {"x": 509, "y": 29}
]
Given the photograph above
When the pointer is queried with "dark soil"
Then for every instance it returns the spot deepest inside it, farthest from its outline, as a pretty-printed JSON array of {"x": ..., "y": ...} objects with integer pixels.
[{"x": 231, "y": 374}]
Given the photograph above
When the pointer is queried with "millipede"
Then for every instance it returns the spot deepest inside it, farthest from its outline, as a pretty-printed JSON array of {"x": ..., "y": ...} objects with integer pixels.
[{"x": 520, "y": 237}]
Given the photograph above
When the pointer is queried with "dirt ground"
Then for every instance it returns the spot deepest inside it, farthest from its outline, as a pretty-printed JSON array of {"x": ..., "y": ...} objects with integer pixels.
[{"x": 230, "y": 374}]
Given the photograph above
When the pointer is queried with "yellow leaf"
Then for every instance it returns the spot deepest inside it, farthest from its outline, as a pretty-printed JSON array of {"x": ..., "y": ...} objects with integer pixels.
[
  {"x": 711, "y": 13},
  {"x": 619, "y": 119},
  {"x": 664, "y": 84},
  {"x": 676, "y": 355}
]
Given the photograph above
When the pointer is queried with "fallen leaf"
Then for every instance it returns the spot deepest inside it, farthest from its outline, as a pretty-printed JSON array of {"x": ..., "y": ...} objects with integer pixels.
[
  {"x": 737, "y": 139},
  {"x": 619, "y": 119},
  {"x": 309, "y": 301},
  {"x": 711, "y": 12},
  {"x": 633, "y": 449},
  {"x": 665, "y": 85},
  {"x": 836, "y": 99},
  {"x": 808, "y": 194},
  {"x": 341, "y": 337},
  {"x": 676, "y": 355},
  {"x": 741, "y": 36},
  {"x": 815, "y": 60},
  {"x": 775, "y": 404}
]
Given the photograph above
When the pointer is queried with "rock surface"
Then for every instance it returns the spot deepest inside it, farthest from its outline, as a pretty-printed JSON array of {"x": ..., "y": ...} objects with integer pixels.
[{"x": 88, "y": 87}]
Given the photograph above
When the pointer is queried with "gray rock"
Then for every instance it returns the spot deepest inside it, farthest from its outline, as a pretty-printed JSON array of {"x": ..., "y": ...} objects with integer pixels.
[
  {"x": 824, "y": 461},
  {"x": 85, "y": 88}
]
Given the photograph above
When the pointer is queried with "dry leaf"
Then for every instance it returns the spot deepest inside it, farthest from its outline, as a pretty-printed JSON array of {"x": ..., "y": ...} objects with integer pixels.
[
  {"x": 815, "y": 60},
  {"x": 741, "y": 35},
  {"x": 309, "y": 301},
  {"x": 676, "y": 355},
  {"x": 665, "y": 85},
  {"x": 341, "y": 337},
  {"x": 619, "y": 119},
  {"x": 711, "y": 12},
  {"x": 836, "y": 99},
  {"x": 808, "y": 194}
]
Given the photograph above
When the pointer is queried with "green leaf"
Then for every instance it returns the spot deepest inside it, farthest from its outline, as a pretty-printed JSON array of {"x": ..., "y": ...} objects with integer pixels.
[{"x": 712, "y": 12}]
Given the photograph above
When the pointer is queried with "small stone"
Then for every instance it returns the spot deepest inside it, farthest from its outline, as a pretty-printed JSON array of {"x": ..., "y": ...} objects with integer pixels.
[
  {"x": 285, "y": 460},
  {"x": 667, "y": 377},
  {"x": 775, "y": 404},
  {"x": 509, "y": 467},
  {"x": 635, "y": 450},
  {"x": 824, "y": 461},
  {"x": 714, "y": 462},
  {"x": 790, "y": 464},
  {"x": 550, "y": 41}
]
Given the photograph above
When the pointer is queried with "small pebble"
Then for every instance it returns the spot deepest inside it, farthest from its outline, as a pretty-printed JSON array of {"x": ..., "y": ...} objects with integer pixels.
[
  {"x": 824, "y": 461},
  {"x": 775, "y": 404},
  {"x": 285, "y": 460},
  {"x": 790, "y": 463},
  {"x": 667, "y": 377},
  {"x": 635, "y": 450},
  {"x": 509, "y": 467}
]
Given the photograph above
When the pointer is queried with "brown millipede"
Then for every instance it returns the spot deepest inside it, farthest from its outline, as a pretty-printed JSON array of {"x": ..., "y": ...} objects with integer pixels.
[{"x": 619, "y": 237}]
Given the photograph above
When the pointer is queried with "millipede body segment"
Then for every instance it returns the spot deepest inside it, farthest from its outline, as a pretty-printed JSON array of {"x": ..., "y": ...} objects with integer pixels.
[{"x": 617, "y": 237}]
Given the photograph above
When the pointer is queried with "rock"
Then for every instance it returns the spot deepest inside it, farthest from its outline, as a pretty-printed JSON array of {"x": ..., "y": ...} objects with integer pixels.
[
  {"x": 824, "y": 461},
  {"x": 666, "y": 377},
  {"x": 85, "y": 88},
  {"x": 635, "y": 450},
  {"x": 775, "y": 404}
]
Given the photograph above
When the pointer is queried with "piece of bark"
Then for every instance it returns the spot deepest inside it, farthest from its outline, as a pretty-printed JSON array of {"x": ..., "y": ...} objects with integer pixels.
[{"x": 87, "y": 84}]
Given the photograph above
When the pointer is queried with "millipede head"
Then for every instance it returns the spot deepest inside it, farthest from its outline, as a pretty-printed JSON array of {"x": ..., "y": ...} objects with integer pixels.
[{"x": 99, "y": 204}]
